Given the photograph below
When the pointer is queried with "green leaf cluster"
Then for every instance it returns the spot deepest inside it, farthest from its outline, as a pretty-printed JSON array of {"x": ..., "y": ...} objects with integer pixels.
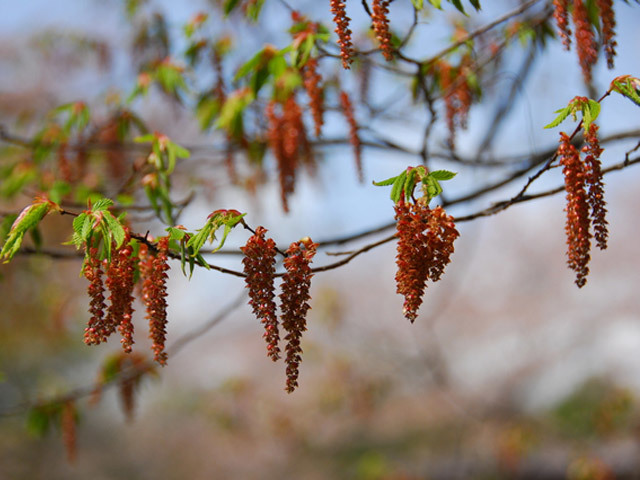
[
  {"x": 157, "y": 185},
  {"x": 627, "y": 86},
  {"x": 403, "y": 185},
  {"x": 190, "y": 244},
  {"x": 220, "y": 218},
  {"x": 168, "y": 75},
  {"x": 179, "y": 238},
  {"x": 77, "y": 116},
  {"x": 98, "y": 225},
  {"x": 268, "y": 62},
  {"x": 590, "y": 109},
  {"x": 231, "y": 113},
  {"x": 305, "y": 37},
  {"x": 252, "y": 12}
]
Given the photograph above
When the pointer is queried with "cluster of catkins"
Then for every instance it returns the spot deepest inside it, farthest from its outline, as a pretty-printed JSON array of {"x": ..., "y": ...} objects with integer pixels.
[
  {"x": 288, "y": 141},
  {"x": 586, "y": 45},
  {"x": 287, "y": 136},
  {"x": 259, "y": 268},
  {"x": 120, "y": 275},
  {"x": 286, "y": 133},
  {"x": 585, "y": 200},
  {"x": 379, "y": 24},
  {"x": 425, "y": 244}
]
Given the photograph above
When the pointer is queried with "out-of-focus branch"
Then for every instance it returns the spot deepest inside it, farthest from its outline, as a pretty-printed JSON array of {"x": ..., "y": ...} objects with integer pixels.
[{"x": 132, "y": 372}]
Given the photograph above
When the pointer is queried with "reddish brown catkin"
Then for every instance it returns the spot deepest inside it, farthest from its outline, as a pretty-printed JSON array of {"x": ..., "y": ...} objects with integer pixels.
[
  {"x": 457, "y": 97},
  {"x": 342, "y": 29},
  {"x": 586, "y": 45},
  {"x": 354, "y": 138},
  {"x": 286, "y": 163},
  {"x": 120, "y": 283},
  {"x": 578, "y": 222},
  {"x": 294, "y": 305},
  {"x": 608, "y": 18},
  {"x": 561, "y": 16},
  {"x": 154, "y": 294},
  {"x": 380, "y": 23},
  {"x": 597, "y": 204},
  {"x": 96, "y": 331},
  {"x": 441, "y": 235},
  {"x": 131, "y": 368},
  {"x": 425, "y": 245},
  {"x": 410, "y": 260},
  {"x": 259, "y": 268},
  {"x": 312, "y": 81},
  {"x": 296, "y": 142},
  {"x": 68, "y": 428}
]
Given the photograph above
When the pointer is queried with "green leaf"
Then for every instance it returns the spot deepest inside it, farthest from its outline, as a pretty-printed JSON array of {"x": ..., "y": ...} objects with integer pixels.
[
  {"x": 229, "y": 223},
  {"x": 197, "y": 241},
  {"x": 442, "y": 174},
  {"x": 78, "y": 222},
  {"x": 39, "y": 421},
  {"x": 563, "y": 114},
  {"x": 418, "y": 4},
  {"x": 176, "y": 234},
  {"x": 181, "y": 152},
  {"x": 150, "y": 137},
  {"x": 230, "y": 118},
  {"x": 58, "y": 190},
  {"x": 202, "y": 262},
  {"x": 398, "y": 187},
  {"x": 85, "y": 233},
  {"x": 207, "y": 110},
  {"x": 594, "y": 110},
  {"x": 115, "y": 228},
  {"x": 111, "y": 368},
  {"x": 410, "y": 183},
  {"x": 384, "y": 183},
  {"x": 431, "y": 187},
  {"x": 250, "y": 66},
  {"x": 28, "y": 219},
  {"x": 5, "y": 225},
  {"x": 102, "y": 204},
  {"x": 253, "y": 10},
  {"x": 458, "y": 5},
  {"x": 436, "y": 3},
  {"x": 171, "y": 153},
  {"x": 229, "y": 6}
]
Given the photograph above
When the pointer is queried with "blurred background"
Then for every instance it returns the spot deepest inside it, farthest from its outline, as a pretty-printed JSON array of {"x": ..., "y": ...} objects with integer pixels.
[{"x": 510, "y": 370}]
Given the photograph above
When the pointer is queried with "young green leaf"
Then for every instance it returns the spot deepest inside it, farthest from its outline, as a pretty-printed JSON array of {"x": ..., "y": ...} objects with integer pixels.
[
  {"x": 229, "y": 6},
  {"x": 39, "y": 421},
  {"x": 387, "y": 182},
  {"x": 398, "y": 187},
  {"x": 115, "y": 229},
  {"x": 102, "y": 204},
  {"x": 410, "y": 183},
  {"x": 27, "y": 220},
  {"x": 563, "y": 114},
  {"x": 442, "y": 174},
  {"x": 176, "y": 234}
]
